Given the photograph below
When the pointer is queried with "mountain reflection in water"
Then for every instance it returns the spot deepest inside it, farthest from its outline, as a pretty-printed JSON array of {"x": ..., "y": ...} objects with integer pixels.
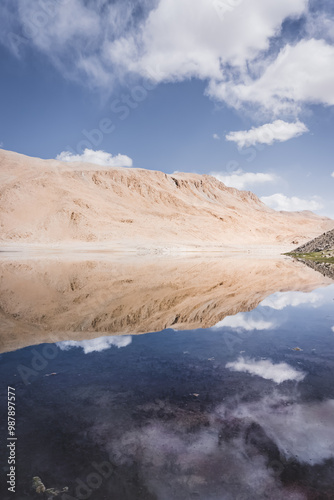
[
  {"x": 51, "y": 299},
  {"x": 234, "y": 400}
]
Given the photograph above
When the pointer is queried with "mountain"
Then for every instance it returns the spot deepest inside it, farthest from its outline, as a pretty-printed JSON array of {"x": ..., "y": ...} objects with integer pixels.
[
  {"x": 52, "y": 298},
  {"x": 52, "y": 203}
]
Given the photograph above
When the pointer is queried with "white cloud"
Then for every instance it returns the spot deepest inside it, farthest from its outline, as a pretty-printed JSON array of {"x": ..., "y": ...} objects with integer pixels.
[
  {"x": 230, "y": 47},
  {"x": 279, "y": 201},
  {"x": 300, "y": 74},
  {"x": 320, "y": 25},
  {"x": 242, "y": 180},
  {"x": 333, "y": 329},
  {"x": 281, "y": 300},
  {"x": 216, "y": 137},
  {"x": 242, "y": 321},
  {"x": 332, "y": 174},
  {"x": 265, "y": 368},
  {"x": 110, "y": 39},
  {"x": 180, "y": 46},
  {"x": 278, "y": 131},
  {"x": 96, "y": 345},
  {"x": 97, "y": 157},
  {"x": 56, "y": 27}
]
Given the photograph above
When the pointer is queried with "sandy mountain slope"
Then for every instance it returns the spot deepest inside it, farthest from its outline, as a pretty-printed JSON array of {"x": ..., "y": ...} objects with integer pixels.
[
  {"x": 45, "y": 202},
  {"x": 49, "y": 299}
]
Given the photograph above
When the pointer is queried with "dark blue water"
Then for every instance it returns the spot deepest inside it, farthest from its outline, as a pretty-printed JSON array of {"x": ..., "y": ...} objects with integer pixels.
[{"x": 244, "y": 410}]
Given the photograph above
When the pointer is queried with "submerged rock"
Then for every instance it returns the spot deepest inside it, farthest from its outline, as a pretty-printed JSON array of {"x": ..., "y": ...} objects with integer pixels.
[
  {"x": 37, "y": 485},
  {"x": 49, "y": 493}
]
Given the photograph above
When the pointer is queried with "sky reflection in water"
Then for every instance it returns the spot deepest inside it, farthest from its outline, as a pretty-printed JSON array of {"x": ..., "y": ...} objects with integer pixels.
[{"x": 242, "y": 410}]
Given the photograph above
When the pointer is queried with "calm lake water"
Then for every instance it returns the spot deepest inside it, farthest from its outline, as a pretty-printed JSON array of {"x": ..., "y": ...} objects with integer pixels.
[{"x": 241, "y": 410}]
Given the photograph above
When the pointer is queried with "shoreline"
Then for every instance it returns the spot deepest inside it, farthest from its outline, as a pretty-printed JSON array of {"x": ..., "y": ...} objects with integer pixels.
[{"x": 270, "y": 250}]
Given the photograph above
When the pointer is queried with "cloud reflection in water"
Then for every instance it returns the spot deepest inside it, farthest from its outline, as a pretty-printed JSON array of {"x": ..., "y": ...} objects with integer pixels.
[
  {"x": 302, "y": 431},
  {"x": 245, "y": 321},
  {"x": 96, "y": 345},
  {"x": 281, "y": 300},
  {"x": 265, "y": 368}
]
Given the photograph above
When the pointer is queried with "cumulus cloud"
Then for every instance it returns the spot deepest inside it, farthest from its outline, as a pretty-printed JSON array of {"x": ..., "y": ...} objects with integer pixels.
[
  {"x": 300, "y": 74},
  {"x": 243, "y": 321},
  {"x": 278, "y": 131},
  {"x": 226, "y": 43},
  {"x": 96, "y": 345},
  {"x": 178, "y": 46},
  {"x": 265, "y": 368},
  {"x": 280, "y": 201},
  {"x": 332, "y": 174},
  {"x": 281, "y": 300},
  {"x": 97, "y": 157},
  {"x": 242, "y": 180},
  {"x": 216, "y": 137}
]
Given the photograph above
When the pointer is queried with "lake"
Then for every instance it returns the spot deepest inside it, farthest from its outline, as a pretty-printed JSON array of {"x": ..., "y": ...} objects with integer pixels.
[{"x": 159, "y": 378}]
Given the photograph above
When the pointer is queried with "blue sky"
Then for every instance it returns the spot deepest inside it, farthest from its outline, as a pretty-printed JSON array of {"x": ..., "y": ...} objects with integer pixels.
[{"x": 242, "y": 89}]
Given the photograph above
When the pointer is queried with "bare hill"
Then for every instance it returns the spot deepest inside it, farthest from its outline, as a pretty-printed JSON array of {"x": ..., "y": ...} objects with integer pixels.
[{"x": 46, "y": 202}]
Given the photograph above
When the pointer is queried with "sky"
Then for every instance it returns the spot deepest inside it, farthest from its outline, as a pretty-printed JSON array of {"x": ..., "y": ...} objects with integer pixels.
[{"x": 239, "y": 89}]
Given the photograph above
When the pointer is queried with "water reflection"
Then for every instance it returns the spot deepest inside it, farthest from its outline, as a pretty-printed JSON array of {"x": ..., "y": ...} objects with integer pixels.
[
  {"x": 51, "y": 299},
  {"x": 265, "y": 368},
  {"x": 96, "y": 345},
  {"x": 242, "y": 410},
  {"x": 246, "y": 322},
  {"x": 280, "y": 300},
  {"x": 302, "y": 431}
]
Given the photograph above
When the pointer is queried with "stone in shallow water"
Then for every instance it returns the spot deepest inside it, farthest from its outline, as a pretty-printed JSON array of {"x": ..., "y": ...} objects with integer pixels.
[{"x": 39, "y": 487}]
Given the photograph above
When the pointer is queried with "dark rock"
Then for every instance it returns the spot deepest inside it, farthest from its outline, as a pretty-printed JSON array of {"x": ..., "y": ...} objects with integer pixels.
[{"x": 319, "y": 244}]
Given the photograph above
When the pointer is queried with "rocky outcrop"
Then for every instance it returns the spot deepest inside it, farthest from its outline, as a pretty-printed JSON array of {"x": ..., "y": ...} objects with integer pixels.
[{"x": 322, "y": 243}]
